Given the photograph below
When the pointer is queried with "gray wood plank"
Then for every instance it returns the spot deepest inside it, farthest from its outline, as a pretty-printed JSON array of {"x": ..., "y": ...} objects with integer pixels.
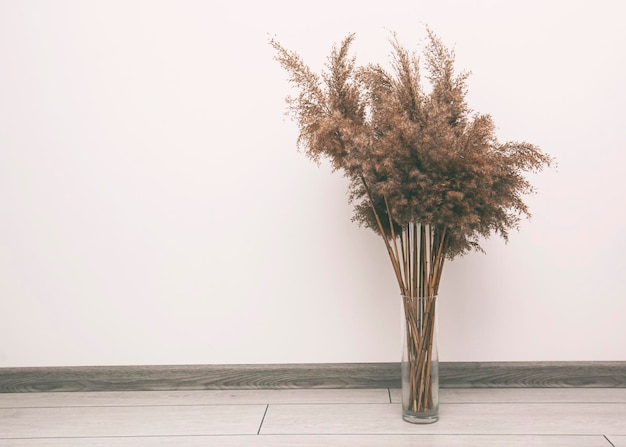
[
  {"x": 531, "y": 418},
  {"x": 192, "y": 397},
  {"x": 322, "y": 441},
  {"x": 130, "y": 421},
  {"x": 185, "y": 377},
  {"x": 533, "y": 374},
  {"x": 323, "y": 375},
  {"x": 511, "y": 395}
]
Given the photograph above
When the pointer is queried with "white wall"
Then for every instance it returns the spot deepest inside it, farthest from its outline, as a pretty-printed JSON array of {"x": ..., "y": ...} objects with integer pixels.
[{"x": 155, "y": 209}]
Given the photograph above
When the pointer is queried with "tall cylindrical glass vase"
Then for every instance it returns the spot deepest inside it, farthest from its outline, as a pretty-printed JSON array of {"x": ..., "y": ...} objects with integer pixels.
[{"x": 420, "y": 362}]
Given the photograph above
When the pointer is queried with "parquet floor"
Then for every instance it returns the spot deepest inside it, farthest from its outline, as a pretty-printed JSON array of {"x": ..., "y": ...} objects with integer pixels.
[{"x": 568, "y": 417}]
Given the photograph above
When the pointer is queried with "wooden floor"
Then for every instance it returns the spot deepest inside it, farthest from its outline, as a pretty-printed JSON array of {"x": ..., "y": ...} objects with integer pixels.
[{"x": 572, "y": 417}]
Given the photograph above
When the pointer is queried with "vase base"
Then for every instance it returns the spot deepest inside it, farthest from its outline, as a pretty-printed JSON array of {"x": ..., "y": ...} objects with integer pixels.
[{"x": 420, "y": 419}]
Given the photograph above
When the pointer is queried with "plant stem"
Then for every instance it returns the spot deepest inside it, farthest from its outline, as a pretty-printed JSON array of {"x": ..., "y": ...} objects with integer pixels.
[
  {"x": 394, "y": 260},
  {"x": 423, "y": 249}
]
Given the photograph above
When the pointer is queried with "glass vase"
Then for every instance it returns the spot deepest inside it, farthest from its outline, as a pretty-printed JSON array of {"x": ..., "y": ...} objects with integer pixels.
[{"x": 420, "y": 362}]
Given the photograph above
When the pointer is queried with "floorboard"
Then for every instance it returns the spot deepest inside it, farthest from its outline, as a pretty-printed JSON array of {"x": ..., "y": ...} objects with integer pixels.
[
  {"x": 130, "y": 421},
  {"x": 193, "y": 397},
  {"x": 318, "y": 396},
  {"x": 528, "y": 418},
  {"x": 323, "y": 441},
  {"x": 521, "y": 395}
]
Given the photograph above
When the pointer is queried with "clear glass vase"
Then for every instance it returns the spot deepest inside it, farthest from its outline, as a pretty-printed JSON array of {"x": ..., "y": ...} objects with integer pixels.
[{"x": 420, "y": 362}]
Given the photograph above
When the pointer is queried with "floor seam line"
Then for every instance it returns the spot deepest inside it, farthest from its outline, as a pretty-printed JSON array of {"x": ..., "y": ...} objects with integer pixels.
[
  {"x": 608, "y": 440},
  {"x": 263, "y": 419}
]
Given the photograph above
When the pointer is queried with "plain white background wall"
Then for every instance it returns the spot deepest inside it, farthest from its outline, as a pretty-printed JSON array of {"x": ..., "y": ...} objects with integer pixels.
[{"x": 155, "y": 209}]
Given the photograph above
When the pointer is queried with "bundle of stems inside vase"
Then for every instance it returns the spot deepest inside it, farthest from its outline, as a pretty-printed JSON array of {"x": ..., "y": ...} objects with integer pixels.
[
  {"x": 419, "y": 313},
  {"x": 420, "y": 260}
]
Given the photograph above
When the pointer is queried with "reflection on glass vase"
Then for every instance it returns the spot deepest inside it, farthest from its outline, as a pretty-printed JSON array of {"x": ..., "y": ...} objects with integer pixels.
[{"x": 420, "y": 363}]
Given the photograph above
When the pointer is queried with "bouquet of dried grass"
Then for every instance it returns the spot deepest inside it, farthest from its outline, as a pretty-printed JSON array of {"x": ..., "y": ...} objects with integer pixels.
[{"x": 426, "y": 173}]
